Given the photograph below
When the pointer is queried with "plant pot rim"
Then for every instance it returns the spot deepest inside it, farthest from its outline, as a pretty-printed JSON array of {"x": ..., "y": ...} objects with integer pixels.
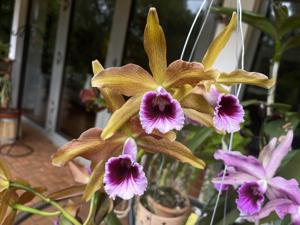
[
  {"x": 9, "y": 113},
  {"x": 169, "y": 211},
  {"x": 159, "y": 216}
]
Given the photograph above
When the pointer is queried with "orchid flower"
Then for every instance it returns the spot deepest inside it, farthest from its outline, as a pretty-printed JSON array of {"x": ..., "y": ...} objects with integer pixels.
[
  {"x": 255, "y": 177},
  {"x": 124, "y": 177},
  {"x": 228, "y": 112},
  {"x": 92, "y": 147},
  {"x": 158, "y": 98}
]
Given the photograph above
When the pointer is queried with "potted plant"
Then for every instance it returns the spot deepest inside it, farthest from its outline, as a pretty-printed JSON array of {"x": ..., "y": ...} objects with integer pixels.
[{"x": 9, "y": 117}]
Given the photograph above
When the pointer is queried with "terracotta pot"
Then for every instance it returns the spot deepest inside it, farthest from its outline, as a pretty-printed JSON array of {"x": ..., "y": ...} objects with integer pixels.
[
  {"x": 161, "y": 210},
  {"x": 145, "y": 217}
]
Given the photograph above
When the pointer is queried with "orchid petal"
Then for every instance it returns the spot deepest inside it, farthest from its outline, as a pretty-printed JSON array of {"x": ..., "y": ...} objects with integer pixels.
[
  {"x": 199, "y": 117},
  {"x": 130, "y": 148},
  {"x": 181, "y": 72},
  {"x": 79, "y": 172},
  {"x": 285, "y": 188},
  {"x": 95, "y": 182},
  {"x": 4, "y": 176},
  {"x": 155, "y": 46},
  {"x": 89, "y": 142},
  {"x": 219, "y": 43},
  {"x": 268, "y": 209},
  {"x": 171, "y": 148},
  {"x": 235, "y": 178},
  {"x": 279, "y": 153},
  {"x": 212, "y": 96},
  {"x": 246, "y": 164},
  {"x": 121, "y": 116},
  {"x": 266, "y": 153},
  {"x": 244, "y": 77},
  {"x": 128, "y": 80},
  {"x": 112, "y": 99},
  {"x": 198, "y": 103}
]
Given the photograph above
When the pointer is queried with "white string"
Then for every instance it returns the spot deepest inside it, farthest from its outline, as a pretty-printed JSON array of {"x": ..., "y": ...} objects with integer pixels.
[
  {"x": 191, "y": 29},
  {"x": 201, "y": 30},
  {"x": 240, "y": 27},
  {"x": 222, "y": 181},
  {"x": 240, "y": 30}
]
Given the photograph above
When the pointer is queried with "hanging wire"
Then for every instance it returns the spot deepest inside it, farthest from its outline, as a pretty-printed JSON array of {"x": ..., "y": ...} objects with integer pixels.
[
  {"x": 201, "y": 30},
  {"x": 240, "y": 30},
  {"x": 191, "y": 29}
]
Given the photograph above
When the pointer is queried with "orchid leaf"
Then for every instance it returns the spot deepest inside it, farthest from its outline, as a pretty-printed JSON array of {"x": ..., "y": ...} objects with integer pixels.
[
  {"x": 290, "y": 24},
  {"x": 290, "y": 166},
  {"x": 112, "y": 219},
  {"x": 180, "y": 72},
  {"x": 121, "y": 116},
  {"x": 128, "y": 80},
  {"x": 244, "y": 77},
  {"x": 155, "y": 46},
  {"x": 113, "y": 100},
  {"x": 258, "y": 21},
  {"x": 88, "y": 142},
  {"x": 67, "y": 192},
  {"x": 96, "y": 181},
  {"x": 199, "y": 117},
  {"x": 292, "y": 42},
  {"x": 171, "y": 148},
  {"x": 219, "y": 43}
]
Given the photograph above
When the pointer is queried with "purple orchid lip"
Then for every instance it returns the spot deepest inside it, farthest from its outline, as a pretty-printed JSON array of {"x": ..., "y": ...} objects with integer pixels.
[
  {"x": 159, "y": 110},
  {"x": 228, "y": 112},
  {"x": 124, "y": 177},
  {"x": 251, "y": 197}
]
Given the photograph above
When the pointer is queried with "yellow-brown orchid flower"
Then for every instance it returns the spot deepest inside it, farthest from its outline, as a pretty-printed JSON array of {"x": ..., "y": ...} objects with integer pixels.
[
  {"x": 152, "y": 96},
  {"x": 91, "y": 146},
  {"x": 211, "y": 96}
]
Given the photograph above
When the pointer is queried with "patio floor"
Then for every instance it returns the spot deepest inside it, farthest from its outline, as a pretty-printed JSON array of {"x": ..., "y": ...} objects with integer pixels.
[{"x": 36, "y": 167}]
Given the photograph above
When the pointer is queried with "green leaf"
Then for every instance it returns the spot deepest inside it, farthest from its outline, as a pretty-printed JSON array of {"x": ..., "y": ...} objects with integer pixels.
[
  {"x": 290, "y": 166},
  {"x": 290, "y": 24},
  {"x": 258, "y": 21},
  {"x": 292, "y": 42},
  {"x": 112, "y": 219},
  {"x": 199, "y": 137},
  {"x": 275, "y": 128}
]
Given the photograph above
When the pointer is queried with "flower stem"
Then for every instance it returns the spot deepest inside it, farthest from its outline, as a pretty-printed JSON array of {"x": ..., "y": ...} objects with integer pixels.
[
  {"x": 68, "y": 216},
  {"x": 93, "y": 206},
  {"x": 34, "y": 211}
]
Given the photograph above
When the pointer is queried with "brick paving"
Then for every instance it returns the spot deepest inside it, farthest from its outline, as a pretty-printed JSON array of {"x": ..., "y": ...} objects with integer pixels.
[{"x": 37, "y": 169}]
